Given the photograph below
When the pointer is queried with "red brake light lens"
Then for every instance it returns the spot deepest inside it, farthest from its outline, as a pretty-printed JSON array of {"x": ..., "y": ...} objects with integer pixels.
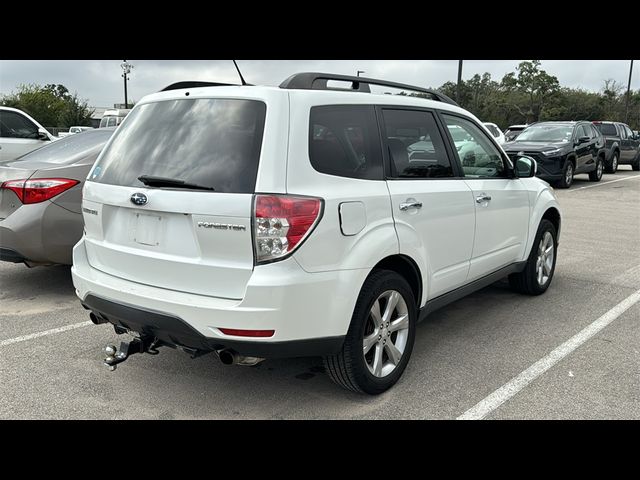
[
  {"x": 247, "y": 333},
  {"x": 39, "y": 189},
  {"x": 281, "y": 224}
]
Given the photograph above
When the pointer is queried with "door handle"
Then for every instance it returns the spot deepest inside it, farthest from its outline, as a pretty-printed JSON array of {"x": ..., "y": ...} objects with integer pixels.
[
  {"x": 410, "y": 203},
  {"x": 483, "y": 197}
]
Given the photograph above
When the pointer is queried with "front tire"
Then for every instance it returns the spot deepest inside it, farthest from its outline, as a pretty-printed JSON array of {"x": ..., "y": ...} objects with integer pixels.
[
  {"x": 380, "y": 339},
  {"x": 596, "y": 175},
  {"x": 635, "y": 166},
  {"x": 613, "y": 166},
  {"x": 541, "y": 264},
  {"x": 567, "y": 175}
]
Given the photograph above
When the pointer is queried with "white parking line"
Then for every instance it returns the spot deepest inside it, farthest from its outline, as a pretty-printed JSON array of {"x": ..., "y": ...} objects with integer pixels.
[
  {"x": 53, "y": 331},
  {"x": 600, "y": 184},
  {"x": 511, "y": 388}
]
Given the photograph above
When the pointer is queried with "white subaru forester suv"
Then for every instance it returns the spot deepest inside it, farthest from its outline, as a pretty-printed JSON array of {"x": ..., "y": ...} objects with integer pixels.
[{"x": 303, "y": 220}]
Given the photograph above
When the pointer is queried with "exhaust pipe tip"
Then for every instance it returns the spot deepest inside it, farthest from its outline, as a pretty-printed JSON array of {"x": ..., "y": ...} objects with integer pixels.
[
  {"x": 230, "y": 357},
  {"x": 95, "y": 319},
  {"x": 227, "y": 357}
]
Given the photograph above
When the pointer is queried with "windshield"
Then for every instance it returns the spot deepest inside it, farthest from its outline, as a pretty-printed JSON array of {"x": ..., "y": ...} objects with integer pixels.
[
  {"x": 546, "y": 133},
  {"x": 210, "y": 142}
]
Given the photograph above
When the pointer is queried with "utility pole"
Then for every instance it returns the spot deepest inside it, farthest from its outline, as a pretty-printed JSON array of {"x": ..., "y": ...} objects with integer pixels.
[
  {"x": 126, "y": 68},
  {"x": 359, "y": 72},
  {"x": 459, "y": 81},
  {"x": 626, "y": 114}
]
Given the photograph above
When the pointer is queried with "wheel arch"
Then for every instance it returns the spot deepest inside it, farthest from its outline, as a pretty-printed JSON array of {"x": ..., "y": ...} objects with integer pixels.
[
  {"x": 406, "y": 267},
  {"x": 553, "y": 215}
]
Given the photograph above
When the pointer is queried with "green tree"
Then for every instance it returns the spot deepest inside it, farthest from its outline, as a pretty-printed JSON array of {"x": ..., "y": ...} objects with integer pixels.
[
  {"x": 535, "y": 84},
  {"x": 51, "y": 105}
]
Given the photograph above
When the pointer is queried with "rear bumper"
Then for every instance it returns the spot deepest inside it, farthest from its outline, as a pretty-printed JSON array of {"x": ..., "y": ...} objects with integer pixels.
[
  {"x": 310, "y": 312},
  {"x": 175, "y": 331},
  {"x": 41, "y": 233}
]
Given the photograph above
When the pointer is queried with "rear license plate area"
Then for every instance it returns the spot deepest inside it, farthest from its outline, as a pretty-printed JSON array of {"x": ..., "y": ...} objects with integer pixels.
[{"x": 147, "y": 229}]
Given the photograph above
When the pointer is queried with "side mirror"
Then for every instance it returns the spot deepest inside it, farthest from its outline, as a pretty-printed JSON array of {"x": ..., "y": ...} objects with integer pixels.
[
  {"x": 526, "y": 166},
  {"x": 582, "y": 140},
  {"x": 42, "y": 134}
]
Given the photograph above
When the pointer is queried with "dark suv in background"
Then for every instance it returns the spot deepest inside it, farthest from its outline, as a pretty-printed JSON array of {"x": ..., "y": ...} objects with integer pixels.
[
  {"x": 561, "y": 150},
  {"x": 621, "y": 144}
]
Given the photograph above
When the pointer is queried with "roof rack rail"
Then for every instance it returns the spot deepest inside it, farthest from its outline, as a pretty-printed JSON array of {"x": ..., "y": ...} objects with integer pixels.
[
  {"x": 180, "y": 85},
  {"x": 318, "y": 81}
]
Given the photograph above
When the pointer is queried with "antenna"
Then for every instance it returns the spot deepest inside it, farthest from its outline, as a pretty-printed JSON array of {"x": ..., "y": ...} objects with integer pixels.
[{"x": 241, "y": 77}]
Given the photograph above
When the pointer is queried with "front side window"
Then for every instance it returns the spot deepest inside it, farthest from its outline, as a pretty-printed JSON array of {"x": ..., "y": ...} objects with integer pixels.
[
  {"x": 479, "y": 157},
  {"x": 415, "y": 146},
  {"x": 14, "y": 125},
  {"x": 581, "y": 131},
  {"x": 210, "y": 142},
  {"x": 628, "y": 131},
  {"x": 344, "y": 141}
]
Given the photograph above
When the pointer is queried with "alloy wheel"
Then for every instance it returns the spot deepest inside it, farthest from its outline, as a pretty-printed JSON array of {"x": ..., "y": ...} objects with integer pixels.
[
  {"x": 544, "y": 263},
  {"x": 386, "y": 333}
]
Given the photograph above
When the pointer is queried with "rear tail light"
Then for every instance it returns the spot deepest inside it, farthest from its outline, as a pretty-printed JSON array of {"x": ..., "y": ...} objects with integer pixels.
[
  {"x": 282, "y": 223},
  {"x": 39, "y": 189}
]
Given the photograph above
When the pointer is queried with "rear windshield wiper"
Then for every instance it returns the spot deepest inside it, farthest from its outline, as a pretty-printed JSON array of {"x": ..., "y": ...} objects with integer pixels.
[{"x": 151, "y": 181}]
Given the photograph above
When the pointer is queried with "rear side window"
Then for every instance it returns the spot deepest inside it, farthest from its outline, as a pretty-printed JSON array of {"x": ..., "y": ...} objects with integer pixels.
[
  {"x": 210, "y": 142},
  {"x": 14, "y": 125},
  {"x": 416, "y": 148},
  {"x": 344, "y": 141},
  {"x": 607, "y": 129}
]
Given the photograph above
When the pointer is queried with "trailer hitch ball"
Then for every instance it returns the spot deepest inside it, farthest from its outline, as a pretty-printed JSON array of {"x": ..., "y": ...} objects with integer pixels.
[{"x": 110, "y": 350}]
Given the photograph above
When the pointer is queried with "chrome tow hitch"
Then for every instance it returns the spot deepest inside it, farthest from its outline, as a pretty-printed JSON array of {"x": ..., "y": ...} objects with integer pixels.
[{"x": 137, "y": 345}]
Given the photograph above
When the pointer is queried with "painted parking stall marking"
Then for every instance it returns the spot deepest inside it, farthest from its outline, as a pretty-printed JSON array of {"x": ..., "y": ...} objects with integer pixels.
[{"x": 511, "y": 388}]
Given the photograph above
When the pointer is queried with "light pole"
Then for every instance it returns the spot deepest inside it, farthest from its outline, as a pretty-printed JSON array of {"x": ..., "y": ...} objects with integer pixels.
[
  {"x": 459, "y": 81},
  {"x": 626, "y": 113},
  {"x": 126, "y": 68},
  {"x": 359, "y": 72}
]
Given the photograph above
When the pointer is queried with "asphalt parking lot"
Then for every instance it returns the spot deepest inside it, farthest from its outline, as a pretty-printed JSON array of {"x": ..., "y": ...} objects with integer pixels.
[{"x": 464, "y": 354}]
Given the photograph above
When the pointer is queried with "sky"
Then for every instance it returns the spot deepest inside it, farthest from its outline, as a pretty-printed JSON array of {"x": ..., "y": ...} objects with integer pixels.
[{"x": 101, "y": 84}]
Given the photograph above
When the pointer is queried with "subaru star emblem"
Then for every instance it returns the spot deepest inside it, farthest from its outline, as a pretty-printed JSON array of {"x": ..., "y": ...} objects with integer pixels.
[{"x": 139, "y": 198}]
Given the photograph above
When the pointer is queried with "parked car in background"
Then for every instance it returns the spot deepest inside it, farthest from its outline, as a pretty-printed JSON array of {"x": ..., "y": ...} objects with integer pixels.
[
  {"x": 114, "y": 117},
  {"x": 496, "y": 132},
  {"x": 622, "y": 145},
  {"x": 40, "y": 199},
  {"x": 73, "y": 130},
  {"x": 262, "y": 222},
  {"x": 561, "y": 150},
  {"x": 512, "y": 132},
  {"x": 20, "y": 133}
]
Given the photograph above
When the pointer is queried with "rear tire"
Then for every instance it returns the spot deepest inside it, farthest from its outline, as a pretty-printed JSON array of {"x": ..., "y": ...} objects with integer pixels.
[
  {"x": 567, "y": 175},
  {"x": 538, "y": 272},
  {"x": 613, "y": 165},
  {"x": 386, "y": 312},
  {"x": 596, "y": 175}
]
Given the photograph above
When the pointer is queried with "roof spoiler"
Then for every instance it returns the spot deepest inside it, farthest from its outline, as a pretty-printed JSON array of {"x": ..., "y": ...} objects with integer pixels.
[{"x": 181, "y": 85}]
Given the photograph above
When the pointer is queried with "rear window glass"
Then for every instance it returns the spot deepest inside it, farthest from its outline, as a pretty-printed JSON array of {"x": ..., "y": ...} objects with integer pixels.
[
  {"x": 344, "y": 141},
  {"x": 70, "y": 148},
  {"x": 210, "y": 142},
  {"x": 607, "y": 129}
]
